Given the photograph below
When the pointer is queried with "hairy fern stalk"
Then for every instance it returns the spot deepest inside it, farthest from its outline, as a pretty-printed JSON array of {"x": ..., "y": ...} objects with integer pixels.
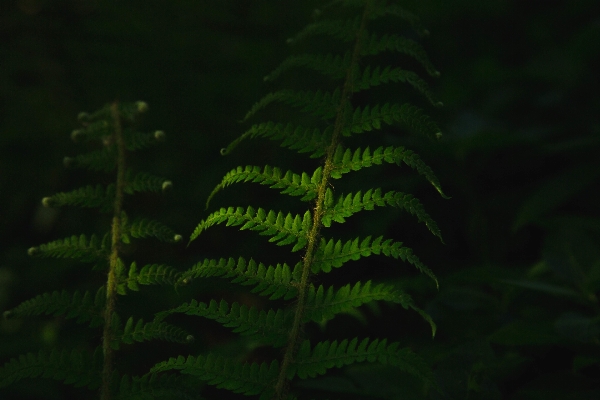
[
  {"x": 113, "y": 128},
  {"x": 336, "y": 119}
]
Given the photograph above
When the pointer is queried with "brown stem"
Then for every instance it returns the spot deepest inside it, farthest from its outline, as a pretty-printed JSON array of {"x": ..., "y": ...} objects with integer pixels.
[
  {"x": 111, "y": 284},
  {"x": 281, "y": 387}
]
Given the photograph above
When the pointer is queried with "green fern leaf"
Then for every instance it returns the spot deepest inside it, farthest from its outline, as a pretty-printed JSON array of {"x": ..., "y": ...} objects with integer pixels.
[
  {"x": 96, "y": 130},
  {"x": 140, "y": 332},
  {"x": 100, "y": 160},
  {"x": 320, "y": 104},
  {"x": 71, "y": 367},
  {"x": 352, "y": 203},
  {"x": 142, "y": 228},
  {"x": 151, "y": 274},
  {"x": 135, "y": 140},
  {"x": 368, "y": 118},
  {"x": 248, "y": 378},
  {"x": 87, "y": 197},
  {"x": 323, "y": 304},
  {"x": 75, "y": 247},
  {"x": 284, "y": 229},
  {"x": 377, "y": 77},
  {"x": 348, "y": 160},
  {"x": 270, "y": 326},
  {"x": 335, "y": 254},
  {"x": 334, "y": 66},
  {"x": 291, "y": 183},
  {"x": 295, "y": 137},
  {"x": 311, "y": 362},
  {"x": 344, "y": 30},
  {"x": 143, "y": 182},
  {"x": 84, "y": 307},
  {"x": 275, "y": 282},
  {"x": 376, "y": 44}
]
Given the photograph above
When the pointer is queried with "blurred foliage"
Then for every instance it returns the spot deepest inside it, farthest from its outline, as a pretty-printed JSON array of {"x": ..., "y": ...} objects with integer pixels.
[{"x": 517, "y": 310}]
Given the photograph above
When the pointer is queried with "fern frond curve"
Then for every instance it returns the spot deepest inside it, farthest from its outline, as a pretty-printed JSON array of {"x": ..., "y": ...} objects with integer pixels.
[
  {"x": 270, "y": 326},
  {"x": 248, "y": 378},
  {"x": 346, "y": 160},
  {"x": 72, "y": 367},
  {"x": 334, "y": 254},
  {"x": 291, "y": 183},
  {"x": 284, "y": 228},
  {"x": 352, "y": 203},
  {"x": 144, "y": 182},
  {"x": 85, "y": 307},
  {"x": 369, "y": 118},
  {"x": 296, "y": 137},
  {"x": 273, "y": 281},
  {"x": 86, "y": 197},
  {"x": 324, "y": 304},
  {"x": 143, "y": 227},
  {"x": 104, "y": 160},
  {"x": 150, "y": 274},
  {"x": 140, "y": 332},
  {"x": 75, "y": 247},
  {"x": 320, "y": 104},
  {"x": 330, "y": 65},
  {"x": 375, "y": 77},
  {"x": 314, "y": 361}
]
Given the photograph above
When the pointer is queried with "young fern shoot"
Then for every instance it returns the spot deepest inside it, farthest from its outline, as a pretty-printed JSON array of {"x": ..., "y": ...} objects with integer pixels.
[{"x": 336, "y": 119}]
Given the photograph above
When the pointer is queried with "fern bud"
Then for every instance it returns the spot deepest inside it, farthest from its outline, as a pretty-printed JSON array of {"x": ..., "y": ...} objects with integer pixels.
[
  {"x": 8, "y": 314},
  {"x": 67, "y": 161},
  {"x": 33, "y": 251},
  {"x": 190, "y": 339},
  {"x": 141, "y": 106},
  {"x": 438, "y": 135},
  {"x": 159, "y": 136},
  {"x": 47, "y": 201},
  {"x": 224, "y": 151},
  {"x": 166, "y": 185},
  {"x": 177, "y": 238},
  {"x": 83, "y": 116},
  {"x": 76, "y": 134}
]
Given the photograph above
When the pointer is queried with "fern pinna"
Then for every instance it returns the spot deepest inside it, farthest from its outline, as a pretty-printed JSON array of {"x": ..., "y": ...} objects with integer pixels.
[
  {"x": 113, "y": 127},
  {"x": 334, "y": 119}
]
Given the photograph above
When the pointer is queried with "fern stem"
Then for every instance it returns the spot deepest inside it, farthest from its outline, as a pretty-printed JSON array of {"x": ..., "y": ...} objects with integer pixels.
[
  {"x": 111, "y": 285},
  {"x": 281, "y": 387}
]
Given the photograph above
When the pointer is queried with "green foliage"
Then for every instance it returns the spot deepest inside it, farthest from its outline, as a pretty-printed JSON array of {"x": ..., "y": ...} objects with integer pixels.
[
  {"x": 112, "y": 126},
  {"x": 301, "y": 300}
]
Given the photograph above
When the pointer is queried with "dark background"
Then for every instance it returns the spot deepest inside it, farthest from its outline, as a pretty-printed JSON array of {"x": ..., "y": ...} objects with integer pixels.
[{"x": 517, "y": 309}]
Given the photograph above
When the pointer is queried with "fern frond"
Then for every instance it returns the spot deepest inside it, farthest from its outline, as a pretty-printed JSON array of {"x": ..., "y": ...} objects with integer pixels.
[
  {"x": 291, "y": 183},
  {"x": 150, "y": 274},
  {"x": 85, "y": 307},
  {"x": 295, "y": 137},
  {"x": 156, "y": 386},
  {"x": 348, "y": 160},
  {"x": 376, "y": 77},
  {"x": 376, "y": 44},
  {"x": 76, "y": 247},
  {"x": 352, "y": 203},
  {"x": 94, "y": 130},
  {"x": 140, "y": 332},
  {"x": 144, "y": 182},
  {"x": 320, "y": 104},
  {"x": 142, "y": 228},
  {"x": 284, "y": 229},
  {"x": 100, "y": 160},
  {"x": 330, "y": 65},
  {"x": 247, "y": 378},
  {"x": 270, "y": 326},
  {"x": 275, "y": 282},
  {"x": 72, "y": 367},
  {"x": 88, "y": 197},
  {"x": 135, "y": 140},
  {"x": 369, "y": 118},
  {"x": 324, "y": 304},
  {"x": 311, "y": 362},
  {"x": 344, "y": 30},
  {"x": 335, "y": 254}
]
